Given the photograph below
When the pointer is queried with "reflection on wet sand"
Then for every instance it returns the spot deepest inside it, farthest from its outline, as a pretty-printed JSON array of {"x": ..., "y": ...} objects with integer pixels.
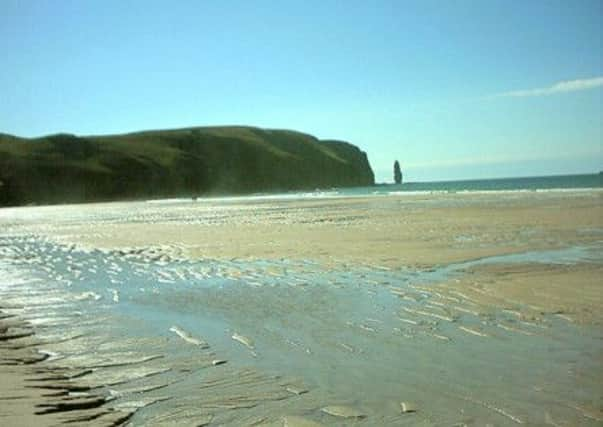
[{"x": 115, "y": 326}]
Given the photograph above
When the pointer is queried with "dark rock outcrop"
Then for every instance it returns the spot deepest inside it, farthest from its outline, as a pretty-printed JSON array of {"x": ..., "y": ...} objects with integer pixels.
[{"x": 397, "y": 173}]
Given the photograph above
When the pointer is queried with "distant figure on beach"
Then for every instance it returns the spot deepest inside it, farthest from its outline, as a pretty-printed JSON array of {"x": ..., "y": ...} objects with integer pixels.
[{"x": 397, "y": 173}]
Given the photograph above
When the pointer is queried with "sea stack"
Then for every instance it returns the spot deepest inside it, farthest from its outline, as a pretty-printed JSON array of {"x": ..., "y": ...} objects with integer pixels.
[{"x": 397, "y": 173}]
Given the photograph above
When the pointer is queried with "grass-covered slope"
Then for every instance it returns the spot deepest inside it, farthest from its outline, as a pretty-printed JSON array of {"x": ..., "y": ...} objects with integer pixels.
[{"x": 183, "y": 162}]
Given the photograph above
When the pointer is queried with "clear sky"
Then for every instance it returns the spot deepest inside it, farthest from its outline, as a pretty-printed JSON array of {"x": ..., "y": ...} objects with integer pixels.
[{"x": 452, "y": 89}]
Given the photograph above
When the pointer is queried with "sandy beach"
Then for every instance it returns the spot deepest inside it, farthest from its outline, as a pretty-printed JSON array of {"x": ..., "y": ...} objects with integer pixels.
[
  {"x": 409, "y": 230},
  {"x": 540, "y": 278},
  {"x": 288, "y": 214}
]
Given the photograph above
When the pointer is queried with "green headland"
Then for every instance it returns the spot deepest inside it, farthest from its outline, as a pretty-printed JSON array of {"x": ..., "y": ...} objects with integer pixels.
[{"x": 200, "y": 161}]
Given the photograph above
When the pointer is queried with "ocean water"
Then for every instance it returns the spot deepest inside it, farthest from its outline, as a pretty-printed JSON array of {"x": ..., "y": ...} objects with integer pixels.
[
  {"x": 559, "y": 182},
  {"x": 536, "y": 184}
]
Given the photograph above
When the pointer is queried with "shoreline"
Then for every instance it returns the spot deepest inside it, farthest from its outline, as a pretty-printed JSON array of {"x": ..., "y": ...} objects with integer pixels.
[{"x": 319, "y": 194}]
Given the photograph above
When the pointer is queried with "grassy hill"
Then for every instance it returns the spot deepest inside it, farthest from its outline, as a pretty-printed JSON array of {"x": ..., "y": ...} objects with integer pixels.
[{"x": 188, "y": 162}]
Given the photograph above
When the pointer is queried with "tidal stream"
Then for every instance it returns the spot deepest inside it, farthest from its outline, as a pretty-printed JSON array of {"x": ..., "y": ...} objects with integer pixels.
[{"x": 172, "y": 341}]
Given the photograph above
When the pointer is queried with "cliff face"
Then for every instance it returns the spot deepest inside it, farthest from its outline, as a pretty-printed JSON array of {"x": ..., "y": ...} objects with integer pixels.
[{"x": 66, "y": 168}]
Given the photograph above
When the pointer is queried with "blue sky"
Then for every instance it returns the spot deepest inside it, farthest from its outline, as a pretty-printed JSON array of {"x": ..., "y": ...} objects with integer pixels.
[{"x": 453, "y": 89}]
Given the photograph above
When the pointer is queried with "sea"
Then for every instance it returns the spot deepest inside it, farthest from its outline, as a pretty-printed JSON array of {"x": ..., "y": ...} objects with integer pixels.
[
  {"x": 582, "y": 182},
  {"x": 535, "y": 183}
]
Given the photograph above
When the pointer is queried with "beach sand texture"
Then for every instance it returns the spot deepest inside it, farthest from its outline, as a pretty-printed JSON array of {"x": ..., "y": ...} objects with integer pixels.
[{"x": 470, "y": 308}]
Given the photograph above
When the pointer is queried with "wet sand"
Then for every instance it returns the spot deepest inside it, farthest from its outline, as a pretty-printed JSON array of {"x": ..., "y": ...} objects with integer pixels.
[
  {"x": 17, "y": 401},
  {"x": 573, "y": 292},
  {"x": 390, "y": 231},
  {"x": 353, "y": 303},
  {"x": 393, "y": 232}
]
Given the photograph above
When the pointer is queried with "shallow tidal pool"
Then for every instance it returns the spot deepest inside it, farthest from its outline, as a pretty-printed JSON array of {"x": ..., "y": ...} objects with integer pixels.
[{"x": 175, "y": 341}]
